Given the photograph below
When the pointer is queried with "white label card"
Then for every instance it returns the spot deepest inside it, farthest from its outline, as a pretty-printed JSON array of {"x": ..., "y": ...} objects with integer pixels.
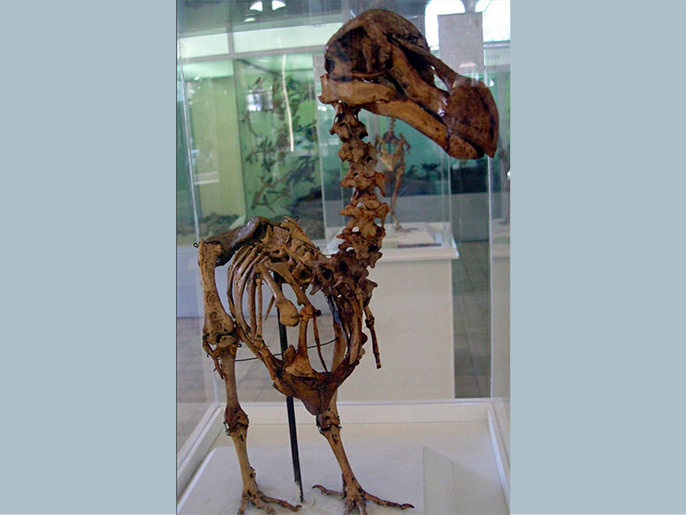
[{"x": 461, "y": 40}]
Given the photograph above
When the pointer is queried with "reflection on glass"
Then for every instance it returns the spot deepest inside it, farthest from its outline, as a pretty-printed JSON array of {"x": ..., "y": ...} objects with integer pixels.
[
  {"x": 254, "y": 140},
  {"x": 185, "y": 212},
  {"x": 498, "y": 70},
  {"x": 259, "y": 14},
  {"x": 278, "y": 139},
  {"x": 214, "y": 151}
]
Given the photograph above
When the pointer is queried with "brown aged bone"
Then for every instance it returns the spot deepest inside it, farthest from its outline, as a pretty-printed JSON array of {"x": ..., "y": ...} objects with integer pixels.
[
  {"x": 391, "y": 154},
  {"x": 381, "y": 63}
]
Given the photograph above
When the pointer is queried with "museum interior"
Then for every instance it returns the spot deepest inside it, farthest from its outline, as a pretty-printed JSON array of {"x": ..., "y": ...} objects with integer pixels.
[{"x": 253, "y": 139}]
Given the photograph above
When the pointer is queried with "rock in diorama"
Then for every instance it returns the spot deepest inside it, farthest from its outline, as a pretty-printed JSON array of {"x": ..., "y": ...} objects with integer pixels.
[{"x": 380, "y": 62}]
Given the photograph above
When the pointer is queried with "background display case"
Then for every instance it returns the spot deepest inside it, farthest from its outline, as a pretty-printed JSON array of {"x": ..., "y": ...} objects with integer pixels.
[{"x": 254, "y": 140}]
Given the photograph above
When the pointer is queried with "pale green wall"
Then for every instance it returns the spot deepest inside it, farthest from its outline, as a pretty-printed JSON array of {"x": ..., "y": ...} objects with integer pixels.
[{"x": 215, "y": 135}]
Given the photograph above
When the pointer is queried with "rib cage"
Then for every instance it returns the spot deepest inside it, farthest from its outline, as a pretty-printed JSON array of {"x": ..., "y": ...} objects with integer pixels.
[
  {"x": 250, "y": 270},
  {"x": 272, "y": 250},
  {"x": 261, "y": 250}
]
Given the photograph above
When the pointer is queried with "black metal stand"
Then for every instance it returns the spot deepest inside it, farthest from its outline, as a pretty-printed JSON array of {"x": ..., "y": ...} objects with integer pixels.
[{"x": 290, "y": 408}]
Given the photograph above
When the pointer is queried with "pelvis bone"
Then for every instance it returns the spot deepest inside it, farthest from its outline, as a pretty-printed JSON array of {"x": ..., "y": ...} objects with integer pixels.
[{"x": 380, "y": 62}]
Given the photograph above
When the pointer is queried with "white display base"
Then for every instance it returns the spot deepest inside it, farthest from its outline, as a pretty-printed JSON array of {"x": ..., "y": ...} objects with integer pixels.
[
  {"x": 443, "y": 457},
  {"x": 396, "y": 473},
  {"x": 413, "y": 312}
]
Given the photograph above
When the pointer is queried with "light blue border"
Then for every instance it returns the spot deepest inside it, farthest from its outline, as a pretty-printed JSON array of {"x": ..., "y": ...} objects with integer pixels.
[
  {"x": 87, "y": 291},
  {"x": 87, "y": 364},
  {"x": 598, "y": 257}
]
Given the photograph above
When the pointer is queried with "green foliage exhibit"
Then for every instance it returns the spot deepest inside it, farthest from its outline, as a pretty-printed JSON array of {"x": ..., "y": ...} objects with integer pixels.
[{"x": 279, "y": 144}]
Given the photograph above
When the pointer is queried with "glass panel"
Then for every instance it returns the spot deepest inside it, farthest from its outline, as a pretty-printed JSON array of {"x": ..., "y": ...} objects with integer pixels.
[
  {"x": 185, "y": 196},
  {"x": 255, "y": 141},
  {"x": 459, "y": 36},
  {"x": 498, "y": 72},
  {"x": 213, "y": 121},
  {"x": 255, "y": 15},
  {"x": 417, "y": 183},
  {"x": 202, "y": 17},
  {"x": 194, "y": 386},
  {"x": 282, "y": 38},
  {"x": 278, "y": 139}
]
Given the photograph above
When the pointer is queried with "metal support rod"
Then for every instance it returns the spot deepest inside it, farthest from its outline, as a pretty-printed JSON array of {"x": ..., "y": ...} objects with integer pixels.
[{"x": 290, "y": 408}]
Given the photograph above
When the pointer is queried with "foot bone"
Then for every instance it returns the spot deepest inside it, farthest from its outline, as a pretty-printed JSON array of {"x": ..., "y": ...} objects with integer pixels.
[
  {"x": 355, "y": 497},
  {"x": 252, "y": 494}
]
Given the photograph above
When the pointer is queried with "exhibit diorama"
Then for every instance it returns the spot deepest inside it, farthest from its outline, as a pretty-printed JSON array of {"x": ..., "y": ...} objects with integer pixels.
[{"x": 343, "y": 256}]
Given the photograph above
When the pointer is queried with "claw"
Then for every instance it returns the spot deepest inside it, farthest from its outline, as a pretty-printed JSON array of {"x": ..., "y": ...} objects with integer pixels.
[
  {"x": 241, "y": 508},
  {"x": 326, "y": 491}
]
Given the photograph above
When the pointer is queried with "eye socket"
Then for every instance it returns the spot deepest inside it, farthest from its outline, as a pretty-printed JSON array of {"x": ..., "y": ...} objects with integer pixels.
[{"x": 304, "y": 275}]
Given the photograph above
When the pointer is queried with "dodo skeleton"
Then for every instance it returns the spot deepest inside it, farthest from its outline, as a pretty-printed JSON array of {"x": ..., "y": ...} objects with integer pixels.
[
  {"x": 391, "y": 152},
  {"x": 380, "y": 62}
]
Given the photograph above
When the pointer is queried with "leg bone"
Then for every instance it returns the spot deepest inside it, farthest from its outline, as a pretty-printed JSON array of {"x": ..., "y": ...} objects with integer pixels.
[
  {"x": 353, "y": 494},
  {"x": 237, "y": 427}
]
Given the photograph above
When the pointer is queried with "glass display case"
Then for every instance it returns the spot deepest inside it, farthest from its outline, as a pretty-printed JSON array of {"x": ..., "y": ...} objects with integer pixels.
[
  {"x": 254, "y": 140},
  {"x": 417, "y": 187},
  {"x": 276, "y": 103}
]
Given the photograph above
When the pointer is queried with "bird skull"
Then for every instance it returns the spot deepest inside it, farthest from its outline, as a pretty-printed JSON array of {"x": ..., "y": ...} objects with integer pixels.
[{"x": 380, "y": 62}]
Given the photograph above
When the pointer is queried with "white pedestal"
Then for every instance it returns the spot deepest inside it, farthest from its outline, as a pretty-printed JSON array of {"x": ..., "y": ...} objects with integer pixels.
[{"x": 413, "y": 311}]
